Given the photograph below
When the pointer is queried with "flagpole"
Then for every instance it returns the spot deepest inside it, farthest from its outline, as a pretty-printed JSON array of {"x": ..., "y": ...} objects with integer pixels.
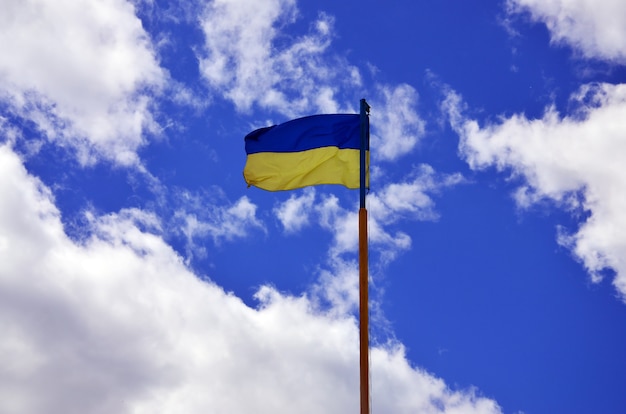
[{"x": 363, "y": 265}]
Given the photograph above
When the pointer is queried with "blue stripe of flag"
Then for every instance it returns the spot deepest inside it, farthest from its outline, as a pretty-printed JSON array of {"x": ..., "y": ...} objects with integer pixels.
[{"x": 302, "y": 134}]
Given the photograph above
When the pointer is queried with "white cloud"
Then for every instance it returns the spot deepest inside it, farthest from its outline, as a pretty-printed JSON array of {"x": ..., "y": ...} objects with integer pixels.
[
  {"x": 338, "y": 287},
  {"x": 118, "y": 324},
  {"x": 250, "y": 62},
  {"x": 83, "y": 71},
  {"x": 246, "y": 59},
  {"x": 396, "y": 126},
  {"x": 596, "y": 28},
  {"x": 409, "y": 200},
  {"x": 395, "y": 202},
  {"x": 294, "y": 213},
  {"x": 576, "y": 160},
  {"x": 200, "y": 216},
  {"x": 342, "y": 223}
]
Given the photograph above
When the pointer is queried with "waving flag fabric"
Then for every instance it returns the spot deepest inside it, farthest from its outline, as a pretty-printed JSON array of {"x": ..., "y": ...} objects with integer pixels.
[{"x": 318, "y": 149}]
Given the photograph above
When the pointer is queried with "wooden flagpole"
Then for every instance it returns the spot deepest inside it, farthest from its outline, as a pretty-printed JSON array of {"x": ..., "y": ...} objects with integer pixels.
[{"x": 363, "y": 265}]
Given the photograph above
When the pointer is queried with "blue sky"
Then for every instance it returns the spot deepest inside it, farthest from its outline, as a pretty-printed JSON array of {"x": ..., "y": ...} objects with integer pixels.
[{"x": 139, "y": 274}]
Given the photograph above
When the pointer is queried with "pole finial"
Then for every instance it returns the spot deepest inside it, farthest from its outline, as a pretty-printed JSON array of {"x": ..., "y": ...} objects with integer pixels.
[{"x": 366, "y": 105}]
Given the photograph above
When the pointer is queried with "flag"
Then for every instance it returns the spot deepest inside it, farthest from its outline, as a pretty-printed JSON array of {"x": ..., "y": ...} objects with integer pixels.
[{"x": 318, "y": 149}]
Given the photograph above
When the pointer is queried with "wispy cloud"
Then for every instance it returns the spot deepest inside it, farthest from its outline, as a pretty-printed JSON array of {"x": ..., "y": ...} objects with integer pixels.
[
  {"x": 198, "y": 217},
  {"x": 395, "y": 203},
  {"x": 294, "y": 214},
  {"x": 246, "y": 61},
  {"x": 396, "y": 127}
]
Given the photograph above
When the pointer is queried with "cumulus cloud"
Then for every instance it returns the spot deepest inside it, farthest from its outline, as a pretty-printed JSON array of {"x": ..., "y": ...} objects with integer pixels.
[
  {"x": 84, "y": 72},
  {"x": 247, "y": 61},
  {"x": 117, "y": 323},
  {"x": 597, "y": 29},
  {"x": 575, "y": 159}
]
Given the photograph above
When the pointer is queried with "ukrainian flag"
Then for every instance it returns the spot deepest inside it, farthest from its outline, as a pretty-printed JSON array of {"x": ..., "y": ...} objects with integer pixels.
[{"x": 318, "y": 149}]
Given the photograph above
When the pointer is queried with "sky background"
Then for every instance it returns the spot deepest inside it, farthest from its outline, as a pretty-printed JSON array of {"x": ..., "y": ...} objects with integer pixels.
[{"x": 138, "y": 274}]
